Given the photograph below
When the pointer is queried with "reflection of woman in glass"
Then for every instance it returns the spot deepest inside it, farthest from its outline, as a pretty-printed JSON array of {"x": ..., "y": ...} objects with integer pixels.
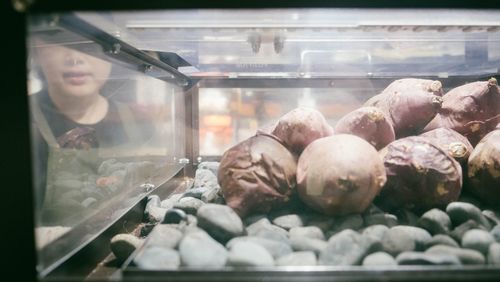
[{"x": 74, "y": 124}]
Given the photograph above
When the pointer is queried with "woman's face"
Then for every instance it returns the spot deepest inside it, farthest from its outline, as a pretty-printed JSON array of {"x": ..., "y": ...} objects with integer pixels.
[{"x": 70, "y": 72}]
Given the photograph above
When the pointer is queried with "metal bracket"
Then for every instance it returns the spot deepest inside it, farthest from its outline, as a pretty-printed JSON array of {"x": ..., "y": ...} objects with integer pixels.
[{"x": 122, "y": 51}]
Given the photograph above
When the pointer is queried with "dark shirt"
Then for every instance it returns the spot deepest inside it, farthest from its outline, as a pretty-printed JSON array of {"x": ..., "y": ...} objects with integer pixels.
[{"x": 109, "y": 132}]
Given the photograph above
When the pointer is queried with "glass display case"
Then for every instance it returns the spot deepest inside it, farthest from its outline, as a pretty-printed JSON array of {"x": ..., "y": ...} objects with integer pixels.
[{"x": 131, "y": 109}]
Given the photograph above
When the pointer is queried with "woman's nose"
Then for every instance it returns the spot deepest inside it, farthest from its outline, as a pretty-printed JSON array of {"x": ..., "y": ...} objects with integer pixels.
[{"x": 73, "y": 59}]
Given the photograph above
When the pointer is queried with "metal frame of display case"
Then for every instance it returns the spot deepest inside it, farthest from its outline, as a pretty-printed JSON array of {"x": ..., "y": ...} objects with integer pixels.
[
  {"x": 122, "y": 51},
  {"x": 320, "y": 274},
  {"x": 18, "y": 244}
]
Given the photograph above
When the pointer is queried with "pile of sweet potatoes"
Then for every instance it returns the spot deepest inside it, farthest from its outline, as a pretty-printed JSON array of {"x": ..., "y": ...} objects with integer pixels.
[{"x": 411, "y": 146}]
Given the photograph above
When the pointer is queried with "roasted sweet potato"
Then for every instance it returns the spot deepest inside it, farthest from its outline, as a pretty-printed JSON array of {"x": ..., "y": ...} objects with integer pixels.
[
  {"x": 299, "y": 127},
  {"x": 369, "y": 123},
  {"x": 484, "y": 169},
  {"x": 452, "y": 142},
  {"x": 339, "y": 174},
  {"x": 420, "y": 175},
  {"x": 257, "y": 175},
  {"x": 409, "y": 103},
  {"x": 472, "y": 110}
]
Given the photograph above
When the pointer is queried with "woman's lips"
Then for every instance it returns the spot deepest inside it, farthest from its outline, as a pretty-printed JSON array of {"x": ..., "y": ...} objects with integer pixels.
[{"x": 76, "y": 78}]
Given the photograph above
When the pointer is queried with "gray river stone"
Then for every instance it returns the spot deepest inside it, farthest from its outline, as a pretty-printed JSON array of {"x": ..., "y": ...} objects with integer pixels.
[
  {"x": 191, "y": 220},
  {"x": 155, "y": 214},
  {"x": 213, "y": 196},
  {"x": 323, "y": 222},
  {"x": 109, "y": 166},
  {"x": 492, "y": 216},
  {"x": 441, "y": 239},
  {"x": 372, "y": 209},
  {"x": 348, "y": 247},
  {"x": 153, "y": 201},
  {"x": 435, "y": 221},
  {"x": 477, "y": 239},
  {"x": 123, "y": 245},
  {"x": 308, "y": 232},
  {"x": 276, "y": 248},
  {"x": 264, "y": 224},
  {"x": 308, "y": 244},
  {"x": 495, "y": 232},
  {"x": 386, "y": 219},
  {"x": 89, "y": 202},
  {"x": 406, "y": 217},
  {"x": 249, "y": 254},
  {"x": 379, "y": 258},
  {"x": 198, "y": 249},
  {"x": 306, "y": 258},
  {"x": 460, "y": 230},
  {"x": 466, "y": 256},
  {"x": 146, "y": 229},
  {"x": 164, "y": 236},
  {"x": 470, "y": 200},
  {"x": 158, "y": 258},
  {"x": 220, "y": 221},
  {"x": 205, "y": 178},
  {"x": 212, "y": 166},
  {"x": 171, "y": 201},
  {"x": 460, "y": 212},
  {"x": 251, "y": 219},
  {"x": 272, "y": 234},
  {"x": 378, "y": 231},
  {"x": 374, "y": 242},
  {"x": 353, "y": 222},
  {"x": 189, "y": 204},
  {"x": 195, "y": 192},
  {"x": 419, "y": 258},
  {"x": 288, "y": 221},
  {"x": 494, "y": 254},
  {"x": 420, "y": 235},
  {"x": 397, "y": 241},
  {"x": 174, "y": 216}
]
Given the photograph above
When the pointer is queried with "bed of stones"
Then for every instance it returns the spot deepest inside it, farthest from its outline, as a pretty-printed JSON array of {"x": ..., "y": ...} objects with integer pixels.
[{"x": 196, "y": 230}]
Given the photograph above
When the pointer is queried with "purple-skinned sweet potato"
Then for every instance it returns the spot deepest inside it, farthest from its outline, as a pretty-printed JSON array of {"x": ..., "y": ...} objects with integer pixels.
[
  {"x": 301, "y": 126},
  {"x": 339, "y": 174},
  {"x": 369, "y": 123},
  {"x": 484, "y": 169},
  {"x": 420, "y": 175},
  {"x": 452, "y": 142},
  {"x": 257, "y": 174},
  {"x": 409, "y": 103},
  {"x": 472, "y": 110}
]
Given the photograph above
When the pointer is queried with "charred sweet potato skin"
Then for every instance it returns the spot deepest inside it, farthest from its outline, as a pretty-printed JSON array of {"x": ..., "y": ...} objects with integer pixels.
[
  {"x": 484, "y": 169},
  {"x": 339, "y": 174},
  {"x": 452, "y": 142},
  {"x": 369, "y": 123},
  {"x": 472, "y": 110},
  {"x": 301, "y": 126},
  {"x": 409, "y": 103},
  {"x": 257, "y": 175},
  {"x": 420, "y": 175}
]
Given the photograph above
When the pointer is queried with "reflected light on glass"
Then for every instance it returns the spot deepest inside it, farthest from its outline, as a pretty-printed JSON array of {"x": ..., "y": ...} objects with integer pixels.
[
  {"x": 306, "y": 100},
  {"x": 34, "y": 85},
  {"x": 213, "y": 100}
]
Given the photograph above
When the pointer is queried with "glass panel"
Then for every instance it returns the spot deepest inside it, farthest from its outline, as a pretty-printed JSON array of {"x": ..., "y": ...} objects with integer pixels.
[
  {"x": 230, "y": 115},
  {"x": 103, "y": 137},
  {"x": 316, "y": 42}
]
